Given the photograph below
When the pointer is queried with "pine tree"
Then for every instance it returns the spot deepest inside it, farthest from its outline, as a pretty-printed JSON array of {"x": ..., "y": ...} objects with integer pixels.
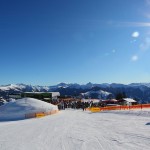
[{"x": 120, "y": 96}]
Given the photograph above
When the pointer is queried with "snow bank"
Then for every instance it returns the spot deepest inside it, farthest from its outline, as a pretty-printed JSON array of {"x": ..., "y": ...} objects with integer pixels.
[{"x": 17, "y": 110}]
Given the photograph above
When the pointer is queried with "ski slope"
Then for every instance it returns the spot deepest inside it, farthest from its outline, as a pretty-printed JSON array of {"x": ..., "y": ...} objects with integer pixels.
[{"x": 78, "y": 130}]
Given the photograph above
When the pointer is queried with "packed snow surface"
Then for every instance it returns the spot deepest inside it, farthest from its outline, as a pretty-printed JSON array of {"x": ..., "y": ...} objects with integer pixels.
[
  {"x": 16, "y": 110},
  {"x": 78, "y": 130}
]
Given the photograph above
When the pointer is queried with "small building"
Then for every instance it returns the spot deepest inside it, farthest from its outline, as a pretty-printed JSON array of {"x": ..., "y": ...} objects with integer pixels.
[
  {"x": 15, "y": 96},
  {"x": 127, "y": 101},
  {"x": 110, "y": 102},
  {"x": 91, "y": 100},
  {"x": 67, "y": 98},
  {"x": 55, "y": 95},
  {"x": 45, "y": 96}
]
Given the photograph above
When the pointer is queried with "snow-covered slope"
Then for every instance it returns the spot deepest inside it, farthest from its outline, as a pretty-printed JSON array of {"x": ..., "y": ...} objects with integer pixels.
[
  {"x": 20, "y": 87},
  {"x": 17, "y": 109},
  {"x": 12, "y": 87},
  {"x": 96, "y": 94},
  {"x": 78, "y": 130}
]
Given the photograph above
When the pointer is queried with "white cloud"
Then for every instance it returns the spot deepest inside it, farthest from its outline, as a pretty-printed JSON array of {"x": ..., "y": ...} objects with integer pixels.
[
  {"x": 134, "y": 58},
  {"x": 135, "y": 34},
  {"x": 145, "y": 45}
]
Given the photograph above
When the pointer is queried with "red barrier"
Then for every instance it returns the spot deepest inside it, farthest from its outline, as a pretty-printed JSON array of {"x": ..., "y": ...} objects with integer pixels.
[{"x": 140, "y": 106}]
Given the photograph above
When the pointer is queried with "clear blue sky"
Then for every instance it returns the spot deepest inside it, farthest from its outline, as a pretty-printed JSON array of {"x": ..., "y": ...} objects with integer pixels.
[{"x": 45, "y": 42}]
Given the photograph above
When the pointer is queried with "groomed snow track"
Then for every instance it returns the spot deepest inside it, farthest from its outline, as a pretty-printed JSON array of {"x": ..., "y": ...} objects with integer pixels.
[{"x": 77, "y": 130}]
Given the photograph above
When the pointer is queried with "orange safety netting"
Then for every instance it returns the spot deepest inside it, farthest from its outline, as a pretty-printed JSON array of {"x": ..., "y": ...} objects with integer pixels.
[{"x": 140, "y": 106}]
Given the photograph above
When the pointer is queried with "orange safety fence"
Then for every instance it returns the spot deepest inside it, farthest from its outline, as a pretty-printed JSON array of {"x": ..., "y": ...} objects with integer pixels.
[
  {"x": 140, "y": 106},
  {"x": 145, "y": 105},
  {"x": 40, "y": 114}
]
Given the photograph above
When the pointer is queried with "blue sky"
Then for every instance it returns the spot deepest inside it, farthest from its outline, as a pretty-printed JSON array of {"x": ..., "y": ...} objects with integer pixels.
[{"x": 45, "y": 42}]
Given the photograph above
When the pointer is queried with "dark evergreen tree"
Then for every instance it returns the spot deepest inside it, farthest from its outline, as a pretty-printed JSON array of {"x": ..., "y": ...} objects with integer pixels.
[{"x": 120, "y": 95}]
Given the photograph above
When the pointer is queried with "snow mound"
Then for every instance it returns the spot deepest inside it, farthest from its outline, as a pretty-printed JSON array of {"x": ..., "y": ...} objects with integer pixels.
[{"x": 17, "y": 110}]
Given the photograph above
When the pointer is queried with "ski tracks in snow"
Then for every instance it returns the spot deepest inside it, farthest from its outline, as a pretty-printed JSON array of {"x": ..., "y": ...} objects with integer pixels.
[{"x": 76, "y": 130}]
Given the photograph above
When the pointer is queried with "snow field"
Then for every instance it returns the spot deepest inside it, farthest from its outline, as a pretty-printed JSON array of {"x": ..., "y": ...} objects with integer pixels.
[{"x": 78, "y": 130}]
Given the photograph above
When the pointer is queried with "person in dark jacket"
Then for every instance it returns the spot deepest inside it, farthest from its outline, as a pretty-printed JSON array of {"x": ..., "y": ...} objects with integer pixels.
[{"x": 83, "y": 106}]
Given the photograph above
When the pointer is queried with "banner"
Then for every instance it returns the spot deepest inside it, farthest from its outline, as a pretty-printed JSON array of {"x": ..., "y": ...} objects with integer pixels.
[{"x": 95, "y": 109}]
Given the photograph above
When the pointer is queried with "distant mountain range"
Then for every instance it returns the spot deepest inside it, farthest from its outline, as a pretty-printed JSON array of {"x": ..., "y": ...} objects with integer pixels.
[{"x": 138, "y": 91}]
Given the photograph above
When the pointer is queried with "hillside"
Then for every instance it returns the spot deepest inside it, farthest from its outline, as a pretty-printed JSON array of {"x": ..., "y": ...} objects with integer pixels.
[{"x": 138, "y": 91}]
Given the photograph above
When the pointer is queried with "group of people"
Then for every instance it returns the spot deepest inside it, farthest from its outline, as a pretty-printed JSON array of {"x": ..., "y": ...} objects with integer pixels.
[{"x": 62, "y": 105}]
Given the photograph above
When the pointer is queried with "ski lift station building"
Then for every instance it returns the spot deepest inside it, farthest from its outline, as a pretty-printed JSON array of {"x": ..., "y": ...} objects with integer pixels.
[{"x": 46, "y": 96}]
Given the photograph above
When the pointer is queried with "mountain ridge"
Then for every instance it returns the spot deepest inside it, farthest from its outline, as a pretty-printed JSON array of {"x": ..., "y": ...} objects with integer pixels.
[{"x": 138, "y": 91}]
